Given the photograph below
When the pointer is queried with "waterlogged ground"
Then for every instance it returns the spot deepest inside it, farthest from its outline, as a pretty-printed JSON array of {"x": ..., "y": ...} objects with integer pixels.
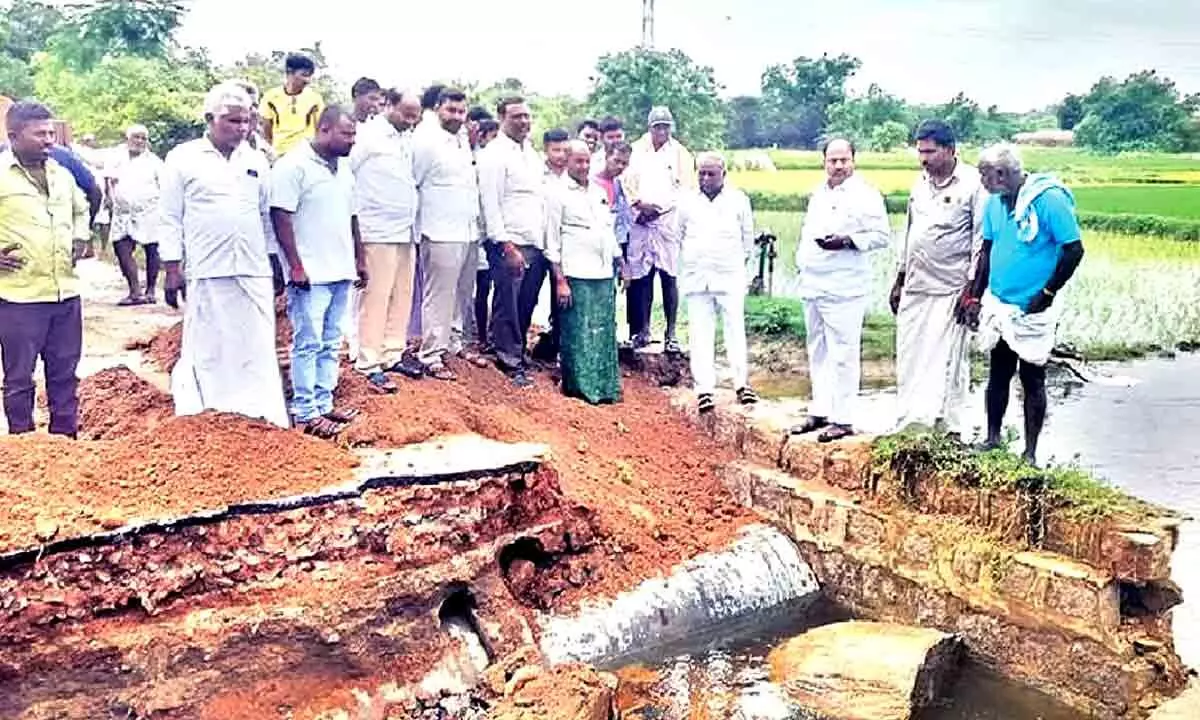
[{"x": 1130, "y": 291}]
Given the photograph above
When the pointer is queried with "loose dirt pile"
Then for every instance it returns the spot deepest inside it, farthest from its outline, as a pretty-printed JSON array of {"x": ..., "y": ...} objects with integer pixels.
[
  {"x": 649, "y": 476},
  {"x": 55, "y": 488},
  {"x": 116, "y": 402}
]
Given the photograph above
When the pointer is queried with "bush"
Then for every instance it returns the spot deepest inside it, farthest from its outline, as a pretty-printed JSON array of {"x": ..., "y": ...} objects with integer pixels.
[
  {"x": 774, "y": 317},
  {"x": 897, "y": 203},
  {"x": 1150, "y": 225}
]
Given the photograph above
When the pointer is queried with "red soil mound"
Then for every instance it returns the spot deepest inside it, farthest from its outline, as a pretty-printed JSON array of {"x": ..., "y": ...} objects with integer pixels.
[
  {"x": 55, "y": 488},
  {"x": 116, "y": 402}
]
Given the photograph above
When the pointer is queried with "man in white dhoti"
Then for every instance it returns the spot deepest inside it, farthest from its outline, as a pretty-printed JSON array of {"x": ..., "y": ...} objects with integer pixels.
[
  {"x": 214, "y": 213},
  {"x": 1031, "y": 248},
  {"x": 716, "y": 231},
  {"x": 846, "y": 220},
  {"x": 660, "y": 171},
  {"x": 132, "y": 177},
  {"x": 935, "y": 267}
]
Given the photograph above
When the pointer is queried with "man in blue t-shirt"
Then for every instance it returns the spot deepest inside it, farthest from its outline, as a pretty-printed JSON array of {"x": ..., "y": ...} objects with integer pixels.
[{"x": 1031, "y": 248}]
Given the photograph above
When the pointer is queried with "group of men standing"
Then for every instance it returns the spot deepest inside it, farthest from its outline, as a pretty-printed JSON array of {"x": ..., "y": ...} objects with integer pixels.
[
  {"x": 419, "y": 230},
  {"x": 984, "y": 250}
]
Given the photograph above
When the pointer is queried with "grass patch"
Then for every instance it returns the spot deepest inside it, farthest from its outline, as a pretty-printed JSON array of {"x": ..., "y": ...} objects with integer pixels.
[
  {"x": 782, "y": 319},
  {"x": 1169, "y": 201},
  {"x": 1066, "y": 488}
]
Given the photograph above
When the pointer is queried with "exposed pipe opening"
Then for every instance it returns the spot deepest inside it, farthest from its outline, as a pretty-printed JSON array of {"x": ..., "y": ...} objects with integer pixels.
[{"x": 456, "y": 615}]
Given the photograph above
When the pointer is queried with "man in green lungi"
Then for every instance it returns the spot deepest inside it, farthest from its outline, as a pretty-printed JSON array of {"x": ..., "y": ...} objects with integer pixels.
[{"x": 582, "y": 247}]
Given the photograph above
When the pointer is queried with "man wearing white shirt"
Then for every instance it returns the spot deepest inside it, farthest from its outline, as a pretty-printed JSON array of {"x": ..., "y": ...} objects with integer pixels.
[
  {"x": 716, "y": 230},
  {"x": 385, "y": 194},
  {"x": 215, "y": 213},
  {"x": 132, "y": 175},
  {"x": 511, "y": 185},
  {"x": 661, "y": 170},
  {"x": 448, "y": 205},
  {"x": 935, "y": 266},
  {"x": 312, "y": 210},
  {"x": 846, "y": 220},
  {"x": 584, "y": 253}
]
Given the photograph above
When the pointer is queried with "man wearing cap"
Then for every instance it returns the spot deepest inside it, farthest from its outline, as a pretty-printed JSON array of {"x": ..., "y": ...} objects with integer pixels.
[
  {"x": 215, "y": 211},
  {"x": 660, "y": 170},
  {"x": 132, "y": 175}
]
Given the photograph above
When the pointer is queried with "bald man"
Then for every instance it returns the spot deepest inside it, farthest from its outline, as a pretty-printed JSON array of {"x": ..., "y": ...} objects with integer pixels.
[
  {"x": 716, "y": 231},
  {"x": 386, "y": 200},
  {"x": 846, "y": 220},
  {"x": 132, "y": 181},
  {"x": 584, "y": 255}
]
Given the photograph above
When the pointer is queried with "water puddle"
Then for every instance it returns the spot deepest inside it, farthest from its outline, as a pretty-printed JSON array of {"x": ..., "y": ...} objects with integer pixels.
[{"x": 727, "y": 679}]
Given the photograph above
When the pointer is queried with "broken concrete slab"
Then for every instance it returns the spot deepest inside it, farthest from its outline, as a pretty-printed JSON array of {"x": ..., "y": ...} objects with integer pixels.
[{"x": 866, "y": 670}]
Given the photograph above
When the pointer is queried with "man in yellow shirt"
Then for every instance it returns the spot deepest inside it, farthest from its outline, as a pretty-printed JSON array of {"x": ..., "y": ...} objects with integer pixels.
[
  {"x": 291, "y": 110},
  {"x": 43, "y": 229}
]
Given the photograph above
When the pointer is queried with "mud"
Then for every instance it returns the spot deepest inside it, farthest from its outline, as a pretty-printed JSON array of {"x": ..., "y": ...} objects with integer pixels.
[
  {"x": 648, "y": 477},
  {"x": 56, "y": 488}
]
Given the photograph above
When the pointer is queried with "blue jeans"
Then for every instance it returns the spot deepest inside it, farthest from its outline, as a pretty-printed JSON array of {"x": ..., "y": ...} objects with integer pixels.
[{"x": 317, "y": 315}]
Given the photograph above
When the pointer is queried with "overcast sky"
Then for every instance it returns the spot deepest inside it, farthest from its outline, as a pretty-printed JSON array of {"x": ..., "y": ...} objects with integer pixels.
[{"x": 1019, "y": 54}]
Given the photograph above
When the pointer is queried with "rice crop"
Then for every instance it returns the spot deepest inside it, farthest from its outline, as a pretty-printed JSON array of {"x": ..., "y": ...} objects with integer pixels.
[
  {"x": 1181, "y": 201},
  {"x": 1130, "y": 292}
]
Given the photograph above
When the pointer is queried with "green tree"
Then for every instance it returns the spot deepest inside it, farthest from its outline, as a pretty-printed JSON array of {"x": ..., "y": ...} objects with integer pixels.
[
  {"x": 871, "y": 120},
  {"x": 744, "y": 123},
  {"x": 963, "y": 114},
  {"x": 1069, "y": 112},
  {"x": 25, "y": 28},
  {"x": 1144, "y": 112},
  {"x": 889, "y": 135},
  {"x": 118, "y": 91},
  {"x": 139, "y": 28},
  {"x": 797, "y": 97},
  {"x": 995, "y": 126},
  {"x": 627, "y": 84}
]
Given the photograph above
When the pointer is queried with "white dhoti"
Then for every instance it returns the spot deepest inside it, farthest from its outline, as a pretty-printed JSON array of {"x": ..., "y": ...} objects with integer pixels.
[
  {"x": 834, "y": 339},
  {"x": 227, "y": 362},
  {"x": 703, "y": 308},
  {"x": 134, "y": 223},
  {"x": 1031, "y": 337},
  {"x": 932, "y": 368}
]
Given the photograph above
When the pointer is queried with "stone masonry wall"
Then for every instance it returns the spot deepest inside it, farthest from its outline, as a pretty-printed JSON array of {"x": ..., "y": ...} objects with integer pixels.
[{"x": 1083, "y": 614}]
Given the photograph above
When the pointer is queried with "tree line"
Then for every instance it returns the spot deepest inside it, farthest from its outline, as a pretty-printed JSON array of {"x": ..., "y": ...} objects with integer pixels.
[{"x": 105, "y": 65}]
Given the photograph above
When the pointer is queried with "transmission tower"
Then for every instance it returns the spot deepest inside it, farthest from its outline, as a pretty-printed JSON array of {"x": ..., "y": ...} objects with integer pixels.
[{"x": 647, "y": 23}]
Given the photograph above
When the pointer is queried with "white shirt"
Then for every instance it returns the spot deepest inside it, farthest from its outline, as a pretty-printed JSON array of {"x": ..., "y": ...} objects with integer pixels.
[
  {"x": 384, "y": 187},
  {"x": 321, "y": 203},
  {"x": 511, "y": 192},
  {"x": 447, "y": 190},
  {"x": 716, "y": 238},
  {"x": 579, "y": 231},
  {"x": 659, "y": 174},
  {"x": 945, "y": 233},
  {"x": 214, "y": 212},
  {"x": 135, "y": 178},
  {"x": 854, "y": 209}
]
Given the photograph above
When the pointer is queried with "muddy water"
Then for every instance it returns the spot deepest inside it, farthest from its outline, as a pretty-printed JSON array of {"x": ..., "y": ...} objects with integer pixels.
[{"x": 727, "y": 679}]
